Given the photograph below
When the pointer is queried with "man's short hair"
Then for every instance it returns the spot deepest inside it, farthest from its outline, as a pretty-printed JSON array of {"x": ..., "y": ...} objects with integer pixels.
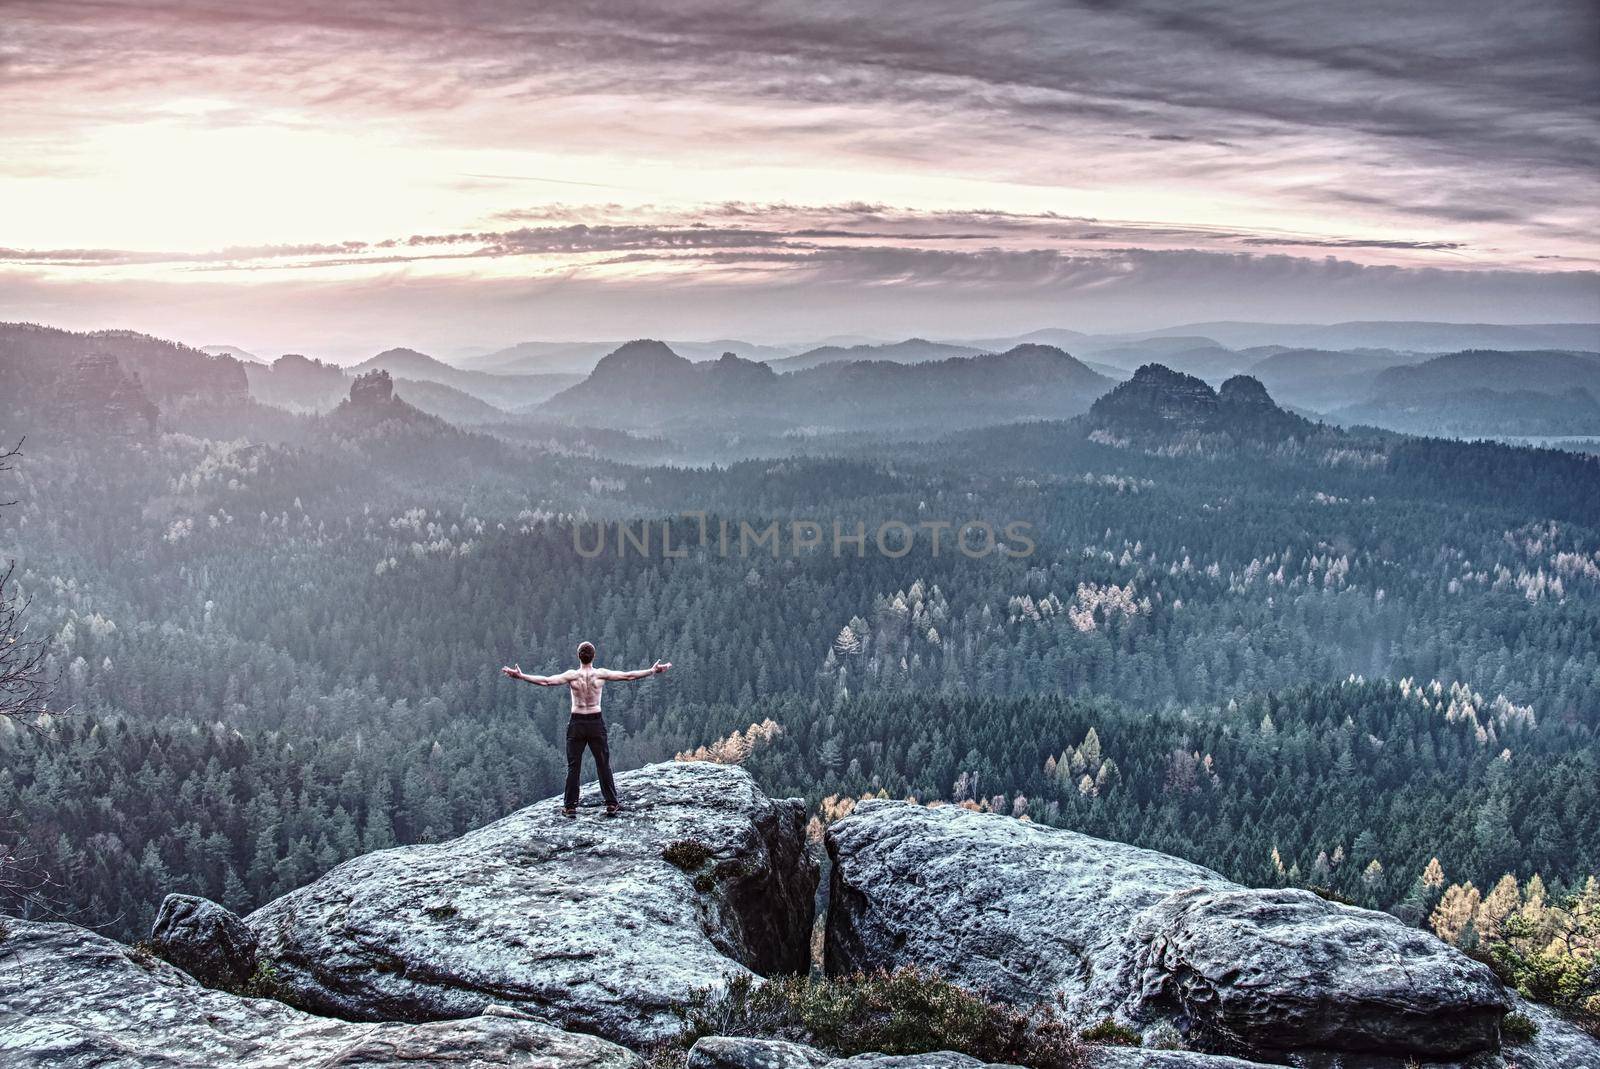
[{"x": 586, "y": 652}]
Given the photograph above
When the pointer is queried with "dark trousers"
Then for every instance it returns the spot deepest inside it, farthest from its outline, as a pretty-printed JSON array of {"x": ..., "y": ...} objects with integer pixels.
[{"x": 588, "y": 731}]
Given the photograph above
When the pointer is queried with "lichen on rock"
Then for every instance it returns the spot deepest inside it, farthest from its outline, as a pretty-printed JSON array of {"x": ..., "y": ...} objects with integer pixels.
[
  {"x": 1035, "y": 914},
  {"x": 584, "y": 923},
  {"x": 71, "y": 999}
]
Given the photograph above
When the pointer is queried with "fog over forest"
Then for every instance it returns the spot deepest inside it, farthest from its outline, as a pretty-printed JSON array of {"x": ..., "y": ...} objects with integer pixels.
[{"x": 1087, "y": 518}]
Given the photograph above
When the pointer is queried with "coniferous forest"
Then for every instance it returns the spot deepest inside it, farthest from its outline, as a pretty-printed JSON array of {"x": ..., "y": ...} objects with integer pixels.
[
  {"x": 1353, "y": 661},
  {"x": 1085, "y": 517}
]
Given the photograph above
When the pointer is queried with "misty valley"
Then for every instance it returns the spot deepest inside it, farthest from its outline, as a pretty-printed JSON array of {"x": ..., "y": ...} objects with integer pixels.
[
  {"x": 933, "y": 535},
  {"x": 1300, "y": 653}
]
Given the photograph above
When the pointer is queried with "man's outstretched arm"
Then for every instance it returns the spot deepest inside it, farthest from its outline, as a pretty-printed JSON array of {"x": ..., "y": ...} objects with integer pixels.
[
  {"x": 638, "y": 673},
  {"x": 514, "y": 671}
]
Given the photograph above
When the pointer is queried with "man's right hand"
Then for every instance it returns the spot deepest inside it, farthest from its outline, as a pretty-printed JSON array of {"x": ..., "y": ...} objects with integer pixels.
[
  {"x": 661, "y": 666},
  {"x": 512, "y": 671}
]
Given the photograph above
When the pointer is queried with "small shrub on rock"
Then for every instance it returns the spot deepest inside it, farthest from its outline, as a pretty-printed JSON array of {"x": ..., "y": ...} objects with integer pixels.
[
  {"x": 907, "y": 1011},
  {"x": 1164, "y": 1035},
  {"x": 142, "y": 955},
  {"x": 1108, "y": 1033},
  {"x": 687, "y": 854},
  {"x": 1328, "y": 894},
  {"x": 1518, "y": 1028},
  {"x": 263, "y": 984}
]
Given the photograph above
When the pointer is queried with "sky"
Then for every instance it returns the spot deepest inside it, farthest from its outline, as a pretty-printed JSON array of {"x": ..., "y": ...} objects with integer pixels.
[{"x": 335, "y": 179}]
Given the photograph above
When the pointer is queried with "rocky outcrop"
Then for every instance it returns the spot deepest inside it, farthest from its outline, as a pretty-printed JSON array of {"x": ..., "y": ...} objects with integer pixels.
[
  {"x": 1032, "y": 914},
  {"x": 1245, "y": 409},
  {"x": 97, "y": 394},
  {"x": 1285, "y": 969},
  {"x": 726, "y": 1052},
  {"x": 372, "y": 388},
  {"x": 596, "y": 924},
  {"x": 721, "y": 1052},
  {"x": 1556, "y": 1044},
  {"x": 1162, "y": 402},
  {"x": 206, "y": 941},
  {"x": 1156, "y": 399},
  {"x": 70, "y": 999}
]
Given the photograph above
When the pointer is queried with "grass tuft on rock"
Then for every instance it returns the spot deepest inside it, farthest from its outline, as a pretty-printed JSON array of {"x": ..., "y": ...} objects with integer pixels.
[
  {"x": 907, "y": 1011},
  {"x": 263, "y": 984},
  {"x": 1518, "y": 1027},
  {"x": 1108, "y": 1033},
  {"x": 687, "y": 854},
  {"x": 1328, "y": 894}
]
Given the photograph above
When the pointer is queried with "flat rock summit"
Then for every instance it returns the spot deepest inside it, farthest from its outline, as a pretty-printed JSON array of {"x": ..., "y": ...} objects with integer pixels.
[
  {"x": 596, "y": 924},
  {"x": 540, "y": 940}
]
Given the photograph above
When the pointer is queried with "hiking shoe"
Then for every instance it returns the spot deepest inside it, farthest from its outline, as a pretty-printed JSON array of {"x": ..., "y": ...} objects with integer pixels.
[
  {"x": 613, "y": 810},
  {"x": 569, "y": 813}
]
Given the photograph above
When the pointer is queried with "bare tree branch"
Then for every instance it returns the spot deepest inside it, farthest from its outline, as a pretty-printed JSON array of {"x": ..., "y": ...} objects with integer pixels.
[
  {"x": 25, "y": 676},
  {"x": 8, "y": 462}
]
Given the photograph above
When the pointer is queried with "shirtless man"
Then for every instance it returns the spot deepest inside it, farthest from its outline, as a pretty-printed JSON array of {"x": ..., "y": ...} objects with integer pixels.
[{"x": 586, "y": 729}]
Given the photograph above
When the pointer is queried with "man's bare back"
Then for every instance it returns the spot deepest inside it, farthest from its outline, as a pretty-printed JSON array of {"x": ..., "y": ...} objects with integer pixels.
[
  {"x": 586, "y": 729},
  {"x": 585, "y": 682}
]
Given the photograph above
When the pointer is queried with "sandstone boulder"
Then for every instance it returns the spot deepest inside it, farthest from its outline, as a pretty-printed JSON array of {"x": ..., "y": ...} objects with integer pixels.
[
  {"x": 1557, "y": 1043},
  {"x": 206, "y": 941},
  {"x": 722, "y": 1052},
  {"x": 1285, "y": 969},
  {"x": 597, "y": 924},
  {"x": 71, "y": 999},
  {"x": 1033, "y": 914}
]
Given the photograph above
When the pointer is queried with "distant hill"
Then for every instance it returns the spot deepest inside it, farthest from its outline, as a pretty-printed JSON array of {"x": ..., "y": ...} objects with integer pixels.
[
  {"x": 1402, "y": 335},
  {"x": 711, "y": 350},
  {"x": 1481, "y": 393},
  {"x": 1481, "y": 413},
  {"x": 372, "y": 406},
  {"x": 35, "y": 360},
  {"x": 1210, "y": 362},
  {"x": 301, "y": 384},
  {"x": 298, "y": 383},
  {"x": 1161, "y": 402},
  {"x": 1056, "y": 336},
  {"x": 646, "y": 384},
  {"x": 540, "y": 358},
  {"x": 233, "y": 351},
  {"x": 1540, "y": 371},
  {"x": 1132, "y": 352},
  {"x": 910, "y": 351},
  {"x": 447, "y": 402},
  {"x": 1025, "y": 382},
  {"x": 502, "y": 390},
  {"x": 1321, "y": 379}
]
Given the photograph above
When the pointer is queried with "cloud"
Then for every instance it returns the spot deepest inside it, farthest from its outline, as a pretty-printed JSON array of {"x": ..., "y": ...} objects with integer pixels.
[
  {"x": 1188, "y": 147},
  {"x": 1404, "y": 92},
  {"x": 720, "y": 228},
  {"x": 1355, "y": 243}
]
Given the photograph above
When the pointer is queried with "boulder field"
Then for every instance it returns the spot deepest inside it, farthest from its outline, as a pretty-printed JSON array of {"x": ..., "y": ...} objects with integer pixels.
[{"x": 544, "y": 941}]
